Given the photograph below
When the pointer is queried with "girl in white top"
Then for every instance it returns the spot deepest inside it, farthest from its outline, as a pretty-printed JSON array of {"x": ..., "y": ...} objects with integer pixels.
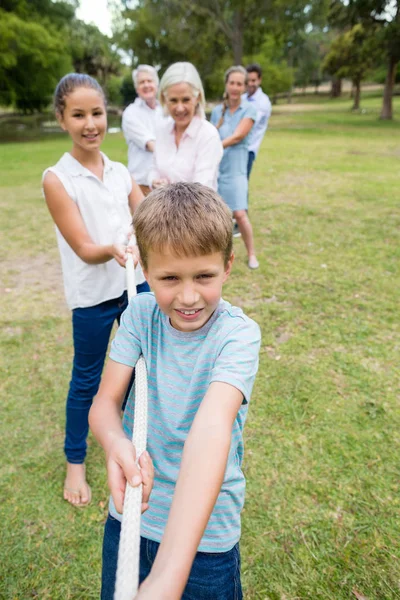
[
  {"x": 188, "y": 148},
  {"x": 90, "y": 199}
]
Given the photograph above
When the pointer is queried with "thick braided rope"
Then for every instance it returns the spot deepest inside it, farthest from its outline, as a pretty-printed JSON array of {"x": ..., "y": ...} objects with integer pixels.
[{"x": 127, "y": 580}]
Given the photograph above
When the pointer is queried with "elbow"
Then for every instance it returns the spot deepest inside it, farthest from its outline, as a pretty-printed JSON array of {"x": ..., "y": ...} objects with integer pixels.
[
  {"x": 215, "y": 435},
  {"x": 239, "y": 137}
]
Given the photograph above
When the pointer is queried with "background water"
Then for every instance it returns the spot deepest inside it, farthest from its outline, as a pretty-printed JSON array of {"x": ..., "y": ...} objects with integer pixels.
[{"x": 22, "y": 128}]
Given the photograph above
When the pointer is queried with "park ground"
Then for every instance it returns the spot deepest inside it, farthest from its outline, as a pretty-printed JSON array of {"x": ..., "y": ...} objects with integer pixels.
[{"x": 321, "y": 519}]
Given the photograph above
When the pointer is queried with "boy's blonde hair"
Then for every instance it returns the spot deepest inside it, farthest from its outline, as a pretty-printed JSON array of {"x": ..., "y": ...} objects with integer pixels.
[{"x": 189, "y": 219}]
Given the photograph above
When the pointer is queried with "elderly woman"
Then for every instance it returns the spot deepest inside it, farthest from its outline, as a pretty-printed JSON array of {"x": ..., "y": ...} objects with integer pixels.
[
  {"x": 234, "y": 119},
  {"x": 188, "y": 147},
  {"x": 139, "y": 122}
]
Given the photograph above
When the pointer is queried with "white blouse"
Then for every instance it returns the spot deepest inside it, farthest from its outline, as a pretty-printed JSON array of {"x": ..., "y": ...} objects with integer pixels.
[
  {"x": 104, "y": 208},
  {"x": 196, "y": 159}
]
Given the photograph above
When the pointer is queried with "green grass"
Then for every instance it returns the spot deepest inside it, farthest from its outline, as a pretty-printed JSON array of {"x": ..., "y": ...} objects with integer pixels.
[{"x": 323, "y": 437}]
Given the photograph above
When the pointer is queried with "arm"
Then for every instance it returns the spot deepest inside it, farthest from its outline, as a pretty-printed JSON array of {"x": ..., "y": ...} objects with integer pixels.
[
  {"x": 200, "y": 478},
  {"x": 240, "y": 132},
  {"x": 208, "y": 158},
  {"x": 135, "y": 197},
  {"x": 263, "y": 115},
  {"x": 154, "y": 178},
  {"x": 69, "y": 221},
  {"x": 136, "y": 131},
  {"x": 105, "y": 423}
]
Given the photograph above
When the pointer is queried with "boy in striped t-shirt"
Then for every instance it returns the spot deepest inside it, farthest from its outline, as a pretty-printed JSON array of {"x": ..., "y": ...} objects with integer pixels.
[{"x": 202, "y": 358}]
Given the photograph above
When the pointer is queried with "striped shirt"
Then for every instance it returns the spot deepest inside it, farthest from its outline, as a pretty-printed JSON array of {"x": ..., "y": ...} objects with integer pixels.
[{"x": 181, "y": 366}]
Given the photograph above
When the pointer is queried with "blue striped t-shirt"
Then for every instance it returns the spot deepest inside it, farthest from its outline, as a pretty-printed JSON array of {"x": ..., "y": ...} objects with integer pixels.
[{"x": 181, "y": 366}]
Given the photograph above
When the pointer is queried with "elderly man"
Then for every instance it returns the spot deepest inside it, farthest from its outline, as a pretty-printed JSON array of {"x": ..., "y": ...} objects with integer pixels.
[
  {"x": 261, "y": 102},
  {"x": 139, "y": 123}
]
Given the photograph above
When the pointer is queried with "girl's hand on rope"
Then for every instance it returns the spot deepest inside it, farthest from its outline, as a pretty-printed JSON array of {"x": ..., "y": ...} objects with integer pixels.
[
  {"x": 122, "y": 467},
  {"x": 134, "y": 250},
  {"x": 118, "y": 251}
]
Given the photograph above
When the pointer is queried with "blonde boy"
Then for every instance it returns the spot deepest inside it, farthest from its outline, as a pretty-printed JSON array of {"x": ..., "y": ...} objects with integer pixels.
[{"x": 202, "y": 358}]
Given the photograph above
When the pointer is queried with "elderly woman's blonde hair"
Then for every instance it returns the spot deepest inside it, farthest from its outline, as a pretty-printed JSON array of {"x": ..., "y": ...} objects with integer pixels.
[
  {"x": 146, "y": 69},
  {"x": 183, "y": 72}
]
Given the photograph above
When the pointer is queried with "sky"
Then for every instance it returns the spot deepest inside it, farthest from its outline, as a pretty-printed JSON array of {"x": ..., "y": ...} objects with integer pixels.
[{"x": 95, "y": 11}]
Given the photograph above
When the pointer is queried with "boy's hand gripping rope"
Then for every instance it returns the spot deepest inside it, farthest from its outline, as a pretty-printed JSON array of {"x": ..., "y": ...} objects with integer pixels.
[{"x": 127, "y": 580}]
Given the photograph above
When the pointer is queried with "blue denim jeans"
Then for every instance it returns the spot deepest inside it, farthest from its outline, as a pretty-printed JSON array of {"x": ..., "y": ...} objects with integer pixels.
[
  {"x": 91, "y": 330},
  {"x": 250, "y": 161},
  {"x": 214, "y": 576}
]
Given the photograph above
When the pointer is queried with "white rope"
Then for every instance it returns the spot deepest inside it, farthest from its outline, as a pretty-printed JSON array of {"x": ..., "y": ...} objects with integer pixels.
[{"x": 127, "y": 580}]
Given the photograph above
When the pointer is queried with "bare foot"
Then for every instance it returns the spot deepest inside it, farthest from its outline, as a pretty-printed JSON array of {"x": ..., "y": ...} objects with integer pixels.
[{"x": 76, "y": 489}]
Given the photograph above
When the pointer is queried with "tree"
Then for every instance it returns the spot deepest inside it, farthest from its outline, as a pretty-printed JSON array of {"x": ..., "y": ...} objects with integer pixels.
[
  {"x": 352, "y": 54},
  {"x": 92, "y": 52},
  {"x": 212, "y": 34},
  {"x": 382, "y": 19},
  {"x": 310, "y": 50},
  {"x": 32, "y": 60},
  {"x": 40, "y": 41},
  {"x": 391, "y": 43},
  {"x": 277, "y": 75}
]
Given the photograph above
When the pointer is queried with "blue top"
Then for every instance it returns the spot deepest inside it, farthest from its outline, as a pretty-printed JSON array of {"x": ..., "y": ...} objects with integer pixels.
[
  {"x": 181, "y": 366},
  {"x": 235, "y": 157},
  {"x": 232, "y": 178}
]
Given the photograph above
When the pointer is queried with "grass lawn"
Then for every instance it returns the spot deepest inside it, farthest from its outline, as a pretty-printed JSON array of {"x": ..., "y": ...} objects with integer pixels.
[{"x": 323, "y": 436}]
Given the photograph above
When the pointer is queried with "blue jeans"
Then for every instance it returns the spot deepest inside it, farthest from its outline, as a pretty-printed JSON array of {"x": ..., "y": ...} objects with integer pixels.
[
  {"x": 250, "y": 161},
  {"x": 214, "y": 576},
  {"x": 91, "y": 330}
]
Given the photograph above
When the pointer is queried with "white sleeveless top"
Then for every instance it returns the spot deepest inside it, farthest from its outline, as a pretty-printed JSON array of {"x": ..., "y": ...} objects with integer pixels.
[{"x": 104, "y": 208}]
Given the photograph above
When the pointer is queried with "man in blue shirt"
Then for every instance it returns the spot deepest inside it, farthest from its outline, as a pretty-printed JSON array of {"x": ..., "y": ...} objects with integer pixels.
[{"x": 262, "y": 103}]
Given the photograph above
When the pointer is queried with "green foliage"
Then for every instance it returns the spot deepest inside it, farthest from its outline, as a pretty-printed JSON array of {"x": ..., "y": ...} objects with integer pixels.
[
  {"x": 212, "y": 35},
  {"x": 380, "y": 18},
  {"x": 307, "y": 57},
  {"x": 57, "y": 13},
  {"x": 352, "y": 54},
  {"x": 277, "y": 75},
  {"x": 92, "y": 52},
  {"x": 379, "y": 75},
  {"x": 32, "y": 59},
  {"x": 160, "y": 33},
  {"x": 40, "y": 41},
  {"x": 113, "y": 90},
  {"x": 128, "y": 91}
]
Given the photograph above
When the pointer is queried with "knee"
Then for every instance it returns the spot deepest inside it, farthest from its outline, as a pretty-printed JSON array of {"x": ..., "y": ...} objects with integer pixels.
[
  {"x": 85, "y": 382},
  {"x": 240, "y": 216}
]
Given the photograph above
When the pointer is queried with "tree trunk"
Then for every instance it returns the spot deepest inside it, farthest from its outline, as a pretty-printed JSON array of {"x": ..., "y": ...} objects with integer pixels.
[
  {"x": 237, "y": 37},
  {"x": 357, "y": 93},
  {"x": 336, "y": 90},
  {"x": 387, "y": 106}
]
